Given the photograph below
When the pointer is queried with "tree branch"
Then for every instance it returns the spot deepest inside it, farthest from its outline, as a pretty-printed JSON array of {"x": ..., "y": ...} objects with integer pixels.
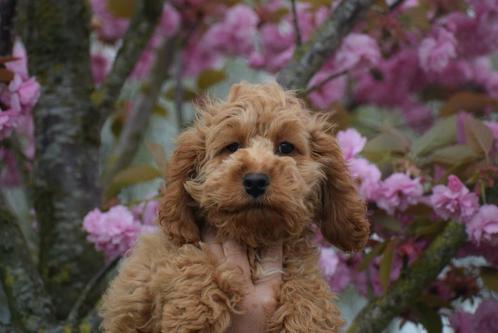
[
  {"x": 56, "y": 34},
  {"x": 29, "y": 305},
  {"x": 132, "y": 134},
  {"x": 136, "y": 38},
  {"x": 311, "y": 56},
  {"x": 295, "y": 21},
  {"x": 93, "y": 290},
  {"x": 378, "y": 313},
  {"x": 329, "y": 78}
]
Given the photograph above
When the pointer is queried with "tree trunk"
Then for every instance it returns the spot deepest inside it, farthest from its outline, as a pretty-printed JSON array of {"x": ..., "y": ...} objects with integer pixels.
[{"x": 56, "y": 34}]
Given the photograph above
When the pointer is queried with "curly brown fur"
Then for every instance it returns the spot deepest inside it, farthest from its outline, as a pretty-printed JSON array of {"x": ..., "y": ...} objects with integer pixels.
[{"x": 170, "y": 284}]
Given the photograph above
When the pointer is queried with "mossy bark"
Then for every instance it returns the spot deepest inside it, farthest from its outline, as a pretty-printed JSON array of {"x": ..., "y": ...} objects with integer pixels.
[
  {"x": 311, "y": 56},
  {"x": 29, "y": 305},
  {"x": 56, "y": 34},
  {"x": 378, "y": 313}
]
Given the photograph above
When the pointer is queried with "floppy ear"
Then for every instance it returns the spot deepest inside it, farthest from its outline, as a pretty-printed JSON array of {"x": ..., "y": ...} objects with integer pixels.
[
  {"x": 342, "y": 213},
  {"x": 176, "y": 211}
]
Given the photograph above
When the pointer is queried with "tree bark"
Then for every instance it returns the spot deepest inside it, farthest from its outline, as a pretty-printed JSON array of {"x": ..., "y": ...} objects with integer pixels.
[
  {"x": 56, "y": 34},
  {"x": 378, "y": 313},
  {"x": 311, "y": 56},
  {"x": 29, "y": 305},
  {"x": 7, "y": 9}
]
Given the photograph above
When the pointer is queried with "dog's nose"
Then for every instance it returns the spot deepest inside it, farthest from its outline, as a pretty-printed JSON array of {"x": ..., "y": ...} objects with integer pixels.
[{"x": 255, "y": 183}]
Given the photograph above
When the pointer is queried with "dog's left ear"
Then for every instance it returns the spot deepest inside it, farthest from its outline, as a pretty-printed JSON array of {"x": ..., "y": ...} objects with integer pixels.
[
  {"x": 176, "y": 211},
  {"x": 342, "y": 213}
]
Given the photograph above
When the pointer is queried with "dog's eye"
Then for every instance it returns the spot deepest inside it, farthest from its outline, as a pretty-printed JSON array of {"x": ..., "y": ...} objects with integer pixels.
[
  {"x": 285, "y": 148},
  {"x": 233, "y": 147}
]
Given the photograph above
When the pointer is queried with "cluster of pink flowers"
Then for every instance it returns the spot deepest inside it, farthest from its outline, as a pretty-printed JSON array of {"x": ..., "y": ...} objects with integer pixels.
[
  {"x": 342, "y": 270},
  {"x": 17, "y": 99},
  {"x": 115, "y": 231},
  {"x": 276, "y": 42},
  {"x": 454, "y": 200},
  {"x": 396, "y": 193},
  {"x": 399, "y": 191},
  {"x": 110, "y": 29},
  {"x": 485, "y": 319}
]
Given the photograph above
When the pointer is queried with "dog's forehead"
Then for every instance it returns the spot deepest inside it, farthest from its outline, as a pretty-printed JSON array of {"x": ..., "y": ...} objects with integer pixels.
[{"x": 257, "y": 116}]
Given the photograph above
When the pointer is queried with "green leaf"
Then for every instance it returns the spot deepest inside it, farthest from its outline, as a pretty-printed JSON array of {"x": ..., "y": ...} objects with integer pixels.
[
  {"x": 158, "y": 154},
  {"x": 428, "y": 317},
  {"x": 478, "y": 135},
  {"x": 489, "y": 277},
  {"x": 392, "y": 142},
  {"x": 455, "y": 155},
  {"x": 441, "y": 134},
  {"x": 187, "y": 93},
  {"x": 160, "y": 111},
  {"x": 386, "y": 264},
  {"x": 209, "y": 77},
  {"x": 121, "y": 8},
  {"x": 133, "y": 175},
  {"x": 389, "y": 223}
]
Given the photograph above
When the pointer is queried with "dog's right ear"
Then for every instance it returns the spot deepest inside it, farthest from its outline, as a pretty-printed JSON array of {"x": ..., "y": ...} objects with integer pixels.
[{"x": 176, "y": 211}]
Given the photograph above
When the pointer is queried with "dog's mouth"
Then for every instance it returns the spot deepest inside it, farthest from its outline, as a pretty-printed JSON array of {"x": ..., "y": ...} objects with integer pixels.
[{"x": 251, "y": 206}]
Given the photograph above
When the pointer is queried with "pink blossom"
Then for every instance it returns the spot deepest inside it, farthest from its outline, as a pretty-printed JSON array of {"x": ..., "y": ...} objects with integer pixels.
[
  {"x": 330, "y": 92},
  {"x": 308, "y": 19},
  {"x": 486, "y": 316},
  {"x": 484, "y": 225},
  {"x": 435, "y": 52},
  {"x": 146, "y": 212},
  {"x": 23, "y": 94},
  {"x": 368, "y": 176},
  {"x": 8, "y": 121},
  {"x": 476, "y": 34},
  {"x": 357, "y": 50},
  {"x": 197, "y": 58},
  {"x": 454, "y": 200},
  {"x": 109, "y": 27},
  {"x": 342, "y": 276},
  {"x": 113, "y": 232},
  {"x": 369, "y": 280},
  {"x": 493, "y": 126},
  {"x": 276, "y": 48},
  {"x": 100, "y": 67},
  {"x": 461, "y": 322},
  {"x": 169, "y": 22},
  {"x": 277, "y": 40},
  {"x": 398, "y": 192},
  {"x": 144, "y": 63},
  {"x": 335, "y": 269},
  {"x": 9, "y": 173},
  {"x": 351, "y": 142},
  {"x": 417, "y": 115},
  {"x": 328, "y": 261},
  {"x": 234, "y": 34},
  {"x": 19, "y": 65},
  {"x": 385, "y": 87}
]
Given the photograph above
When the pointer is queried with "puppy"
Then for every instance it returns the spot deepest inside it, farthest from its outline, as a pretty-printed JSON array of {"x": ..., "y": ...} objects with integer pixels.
[{"x": 258, "y": 168}]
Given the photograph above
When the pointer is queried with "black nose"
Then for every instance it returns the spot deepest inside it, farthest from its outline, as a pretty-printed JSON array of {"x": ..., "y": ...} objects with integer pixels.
[{"x": 255, "y": 183}]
